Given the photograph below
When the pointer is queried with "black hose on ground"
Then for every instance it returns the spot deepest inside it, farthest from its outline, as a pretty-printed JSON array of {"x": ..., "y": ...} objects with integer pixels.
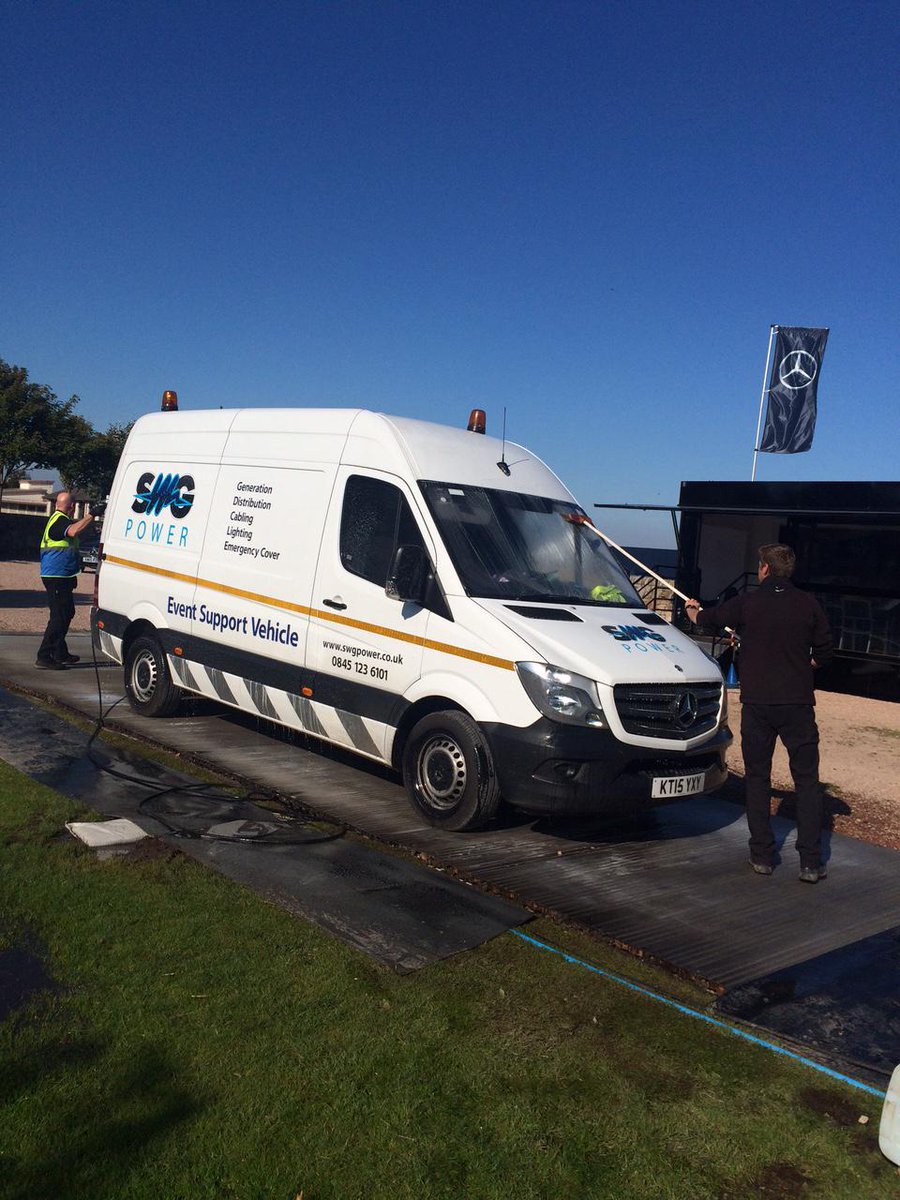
[{"x": 256, "y": 833}]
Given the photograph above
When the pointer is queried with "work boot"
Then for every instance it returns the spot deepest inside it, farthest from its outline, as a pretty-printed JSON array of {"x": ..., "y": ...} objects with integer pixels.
[
  {"x": 812, "y": 874},
  {"x": 761, "y": 868},
  {"x": 71, "y": 658}
]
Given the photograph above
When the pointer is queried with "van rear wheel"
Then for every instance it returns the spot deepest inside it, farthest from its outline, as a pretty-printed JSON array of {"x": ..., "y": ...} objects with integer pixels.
[
  {"x": 449, "y": 772},
  {"x": 148, "y": 682}
]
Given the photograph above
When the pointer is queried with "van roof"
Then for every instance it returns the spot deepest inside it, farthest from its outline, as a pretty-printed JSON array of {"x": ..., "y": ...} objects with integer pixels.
[{"x": 402, "y": 445}]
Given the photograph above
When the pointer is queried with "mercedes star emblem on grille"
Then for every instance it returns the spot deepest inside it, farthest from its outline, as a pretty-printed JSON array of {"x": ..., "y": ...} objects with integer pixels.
[{"x": 686, "y": 711}]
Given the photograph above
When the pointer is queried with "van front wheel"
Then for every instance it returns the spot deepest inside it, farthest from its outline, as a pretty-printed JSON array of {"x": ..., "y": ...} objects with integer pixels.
[
  {"x": 148, "y": 683},
  {"x": 449, "y": 772}
]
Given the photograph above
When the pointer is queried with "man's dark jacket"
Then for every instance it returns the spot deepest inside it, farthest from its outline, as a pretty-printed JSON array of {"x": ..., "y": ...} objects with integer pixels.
[{"x": 781, "y": 629}]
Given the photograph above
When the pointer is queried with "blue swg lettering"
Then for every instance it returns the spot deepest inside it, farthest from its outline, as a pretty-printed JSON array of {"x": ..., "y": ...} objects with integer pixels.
[
  {"x": 166, "y": 490},
  {"x": 637, "y": 638},
  {"x": 154, "y": 493},
  {"x": 633, "y": 633}
]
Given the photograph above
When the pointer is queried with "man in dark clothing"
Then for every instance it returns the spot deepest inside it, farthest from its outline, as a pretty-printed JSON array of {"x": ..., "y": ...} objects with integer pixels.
[
  {"x": 59, "y": 575},
  {"x": 784, "y": 636}
]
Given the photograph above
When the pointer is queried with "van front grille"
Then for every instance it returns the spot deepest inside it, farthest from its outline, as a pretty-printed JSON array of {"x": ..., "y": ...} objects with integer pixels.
[{"x": 668, "y": 710}]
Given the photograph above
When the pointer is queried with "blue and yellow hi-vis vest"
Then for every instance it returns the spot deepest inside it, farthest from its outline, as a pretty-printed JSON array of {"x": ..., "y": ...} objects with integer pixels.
[{"x": 59, "y": 556}]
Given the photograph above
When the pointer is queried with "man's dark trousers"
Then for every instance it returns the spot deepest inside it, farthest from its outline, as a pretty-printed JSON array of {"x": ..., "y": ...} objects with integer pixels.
[
  {"x": 62, "y": 610},
  {"x": 795, "y": 724}
]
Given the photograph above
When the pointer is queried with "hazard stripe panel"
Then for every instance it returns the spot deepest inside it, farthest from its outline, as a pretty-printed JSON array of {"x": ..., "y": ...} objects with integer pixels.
[
  {"x": 363, "y": 734},
  {"x": 110, "y": 646}
]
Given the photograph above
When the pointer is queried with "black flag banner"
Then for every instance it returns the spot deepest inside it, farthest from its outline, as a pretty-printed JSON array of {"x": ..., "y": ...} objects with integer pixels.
[{"x": 791, "y": 411}]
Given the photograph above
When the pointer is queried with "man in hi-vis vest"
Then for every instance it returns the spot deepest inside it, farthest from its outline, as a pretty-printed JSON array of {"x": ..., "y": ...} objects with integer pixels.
[{"x": 59, "y": 573}]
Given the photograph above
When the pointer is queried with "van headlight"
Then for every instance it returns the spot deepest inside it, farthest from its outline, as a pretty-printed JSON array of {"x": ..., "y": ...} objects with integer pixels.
[
  {"x": 715, "y": 662},
  {"x": 562, "y": 695}
]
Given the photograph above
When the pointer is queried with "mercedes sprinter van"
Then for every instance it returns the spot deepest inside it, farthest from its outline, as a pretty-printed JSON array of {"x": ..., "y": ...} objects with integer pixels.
[{"x": 415, "y": 593}]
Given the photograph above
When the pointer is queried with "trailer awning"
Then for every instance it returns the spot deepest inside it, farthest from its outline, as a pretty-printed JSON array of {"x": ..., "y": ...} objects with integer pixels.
[{"x": 754, "y": 511}]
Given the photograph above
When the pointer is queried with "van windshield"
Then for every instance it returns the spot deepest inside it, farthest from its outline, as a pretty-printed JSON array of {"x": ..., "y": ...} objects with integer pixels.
[{"x": 509, "y": 546}]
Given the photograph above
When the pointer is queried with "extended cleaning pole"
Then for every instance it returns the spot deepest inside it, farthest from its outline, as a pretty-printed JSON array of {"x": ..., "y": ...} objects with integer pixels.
[{"x": 581, "y": 519}]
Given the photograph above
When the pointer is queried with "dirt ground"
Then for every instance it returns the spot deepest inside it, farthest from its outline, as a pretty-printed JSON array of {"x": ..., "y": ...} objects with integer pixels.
[
  {"x": 860, "y": 738},
  {"x": 23, "y": 601}
]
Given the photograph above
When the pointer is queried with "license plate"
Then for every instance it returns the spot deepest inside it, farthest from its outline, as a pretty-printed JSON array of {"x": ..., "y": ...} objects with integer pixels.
[{"x": 677, "y": 785}]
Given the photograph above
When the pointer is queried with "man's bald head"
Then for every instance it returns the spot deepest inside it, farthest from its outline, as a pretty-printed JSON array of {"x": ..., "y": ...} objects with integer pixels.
[{"x": 64, "y": 501}]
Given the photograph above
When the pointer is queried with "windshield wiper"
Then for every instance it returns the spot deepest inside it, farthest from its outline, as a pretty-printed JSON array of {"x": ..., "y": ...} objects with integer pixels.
[
  {"x": 588, "y": 601},
  {"x": 546, "y": 598}
]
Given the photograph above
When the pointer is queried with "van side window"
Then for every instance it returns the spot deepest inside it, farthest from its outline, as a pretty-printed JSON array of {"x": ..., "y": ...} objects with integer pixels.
[{"x": 376, "y": 518}]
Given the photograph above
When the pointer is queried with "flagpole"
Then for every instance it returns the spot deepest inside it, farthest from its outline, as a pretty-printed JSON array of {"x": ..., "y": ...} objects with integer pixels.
[{"x": 762, "y": 397}]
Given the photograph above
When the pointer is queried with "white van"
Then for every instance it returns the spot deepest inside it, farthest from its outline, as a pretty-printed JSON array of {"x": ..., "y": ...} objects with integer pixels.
[{"x": 409, "y": 591}]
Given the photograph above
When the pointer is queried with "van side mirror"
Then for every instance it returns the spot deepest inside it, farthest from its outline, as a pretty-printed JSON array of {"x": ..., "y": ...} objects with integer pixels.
[{"x": 408, "y": 575}]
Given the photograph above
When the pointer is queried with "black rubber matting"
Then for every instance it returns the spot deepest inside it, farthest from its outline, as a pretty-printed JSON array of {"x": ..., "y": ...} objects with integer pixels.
[
  {"x": 404, "y": 915},
  {"x": 845, "y": 1003},
  {"x": 674, "y": 885}
]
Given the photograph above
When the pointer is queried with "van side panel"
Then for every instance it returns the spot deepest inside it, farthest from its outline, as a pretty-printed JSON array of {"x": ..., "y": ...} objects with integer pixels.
[
  {"x": 153, "y": 534},
  {"x": 259, "y": 555},
  {"x": 251, "y": 612}
]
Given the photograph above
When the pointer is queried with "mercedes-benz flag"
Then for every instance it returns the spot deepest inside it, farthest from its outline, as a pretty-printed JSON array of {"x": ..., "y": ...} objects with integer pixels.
[{"x": 791, "y": 411}]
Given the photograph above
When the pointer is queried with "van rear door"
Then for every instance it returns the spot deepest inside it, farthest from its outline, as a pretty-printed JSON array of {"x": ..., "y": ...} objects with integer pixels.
[{"x": 365, "y": 647}]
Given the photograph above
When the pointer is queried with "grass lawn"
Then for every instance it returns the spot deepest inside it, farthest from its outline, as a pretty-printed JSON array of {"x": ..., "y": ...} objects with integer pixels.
[{"x": 201, "y": 1043}]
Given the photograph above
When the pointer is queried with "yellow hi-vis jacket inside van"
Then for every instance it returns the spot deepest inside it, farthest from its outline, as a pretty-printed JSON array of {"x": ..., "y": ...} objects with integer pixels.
[{"x": 410, "y": 591}]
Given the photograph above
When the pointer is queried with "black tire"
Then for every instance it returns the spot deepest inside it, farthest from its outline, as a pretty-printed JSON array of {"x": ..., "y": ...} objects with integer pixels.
[
  {"x": 449, "y": 772},
  {"x": 148, "y": 682}
]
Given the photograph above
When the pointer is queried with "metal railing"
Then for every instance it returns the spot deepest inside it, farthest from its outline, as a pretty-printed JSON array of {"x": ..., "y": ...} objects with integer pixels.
[{"x": 653, "y": 595}]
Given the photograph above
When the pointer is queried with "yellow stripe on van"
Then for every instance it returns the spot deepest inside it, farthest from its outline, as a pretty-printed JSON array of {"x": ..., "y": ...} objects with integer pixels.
[{"x": 472, "y": 655}]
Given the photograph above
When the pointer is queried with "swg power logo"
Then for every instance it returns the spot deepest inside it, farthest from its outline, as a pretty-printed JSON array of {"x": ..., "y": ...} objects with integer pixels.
[
  {"x": 632, "y": 633},
  {"x": 155, "y": 493},
  {"x": 636, "y": 640}
]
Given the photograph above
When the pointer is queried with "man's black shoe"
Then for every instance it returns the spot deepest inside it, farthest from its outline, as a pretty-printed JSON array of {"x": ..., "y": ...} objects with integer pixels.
[
  {"x": 71, "y": 658},
  {"x": 812, "y": 874},
  {"x": 50, "y": 666},
  {"x": 761, "y": 868}
]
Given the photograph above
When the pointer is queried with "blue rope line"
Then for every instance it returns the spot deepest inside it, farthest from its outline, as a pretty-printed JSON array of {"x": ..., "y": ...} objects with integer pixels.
[{"x": 692, "y": 1012}]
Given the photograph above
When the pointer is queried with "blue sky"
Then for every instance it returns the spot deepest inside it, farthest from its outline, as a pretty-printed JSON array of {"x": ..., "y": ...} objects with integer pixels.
[{"x": 587, "y": 213}]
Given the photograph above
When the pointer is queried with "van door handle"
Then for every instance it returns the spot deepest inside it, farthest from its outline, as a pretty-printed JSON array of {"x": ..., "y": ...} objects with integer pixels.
[{"x": 338, "y": 604}]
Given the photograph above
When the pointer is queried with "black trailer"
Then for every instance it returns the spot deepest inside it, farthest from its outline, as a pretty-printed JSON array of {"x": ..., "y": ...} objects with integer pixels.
[{"x": 847, "y": 540}]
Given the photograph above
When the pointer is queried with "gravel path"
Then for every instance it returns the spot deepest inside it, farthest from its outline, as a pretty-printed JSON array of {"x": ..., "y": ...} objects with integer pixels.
[
  {"x": 860, "y": 738},
  {"x": 23, "y": 601}
]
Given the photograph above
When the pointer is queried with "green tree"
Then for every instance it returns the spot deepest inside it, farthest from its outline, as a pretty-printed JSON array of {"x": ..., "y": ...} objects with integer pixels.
[
  {"x": 90, "y": 459},
  {"x": 35, "y": 426}
]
